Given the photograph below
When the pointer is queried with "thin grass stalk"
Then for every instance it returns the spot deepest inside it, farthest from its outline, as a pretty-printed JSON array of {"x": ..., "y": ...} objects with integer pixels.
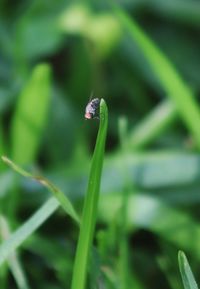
[{"x": 90, "y": 205}]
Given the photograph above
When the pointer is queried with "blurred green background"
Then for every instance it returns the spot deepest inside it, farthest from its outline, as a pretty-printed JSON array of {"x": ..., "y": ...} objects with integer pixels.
[{"x": 53, "y": 56}]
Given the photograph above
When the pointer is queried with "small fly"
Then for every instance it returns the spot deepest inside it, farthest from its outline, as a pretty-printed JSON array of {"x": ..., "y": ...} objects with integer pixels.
[{"x": 92, "y": 109}]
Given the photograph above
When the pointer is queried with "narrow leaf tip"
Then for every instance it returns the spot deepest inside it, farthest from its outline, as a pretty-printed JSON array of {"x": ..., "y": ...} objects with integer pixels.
[{"x": 5, "y": 160}]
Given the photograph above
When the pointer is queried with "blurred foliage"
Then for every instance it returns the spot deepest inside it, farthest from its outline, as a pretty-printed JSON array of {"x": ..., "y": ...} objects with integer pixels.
[{"x": 53, "y": 56}]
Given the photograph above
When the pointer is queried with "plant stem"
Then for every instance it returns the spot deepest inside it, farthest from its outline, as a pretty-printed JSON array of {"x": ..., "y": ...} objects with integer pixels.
[{"x": 90, "y": 205}]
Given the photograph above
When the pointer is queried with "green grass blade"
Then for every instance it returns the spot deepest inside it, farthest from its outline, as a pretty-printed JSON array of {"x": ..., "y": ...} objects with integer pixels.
[
  {"x": 153, "y": 125},
  {"x": 28, "y": 228},
  {"x": 30, "y": 116},
  {"x": 59, "y": 195},
  {"x": 90, "y": 205},
  {"x": 165, "y": 71},
  {"x": 13, "y": 260},
  {"x": 186, "y": 272},
  {"x": 124, "y": 272}
]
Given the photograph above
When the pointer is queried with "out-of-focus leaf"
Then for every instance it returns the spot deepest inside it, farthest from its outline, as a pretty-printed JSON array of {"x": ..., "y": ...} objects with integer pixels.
[
  {"x": 4, "y": 98},
  {"x": 167, "y": 262},
  {"x": 160, "y": 174},
  {"x": 28, "y": 228},
  {"x": 183, "y": 11},
  {"x": 150, "y": 213},
  {"x": 13, "y": 260},
  {"x": 30, "y": 116},
  {"x": 60, "y": 126},
  {"x": 2, "y": 147},
  {"x": 178, "y": 10},
  {"x": 181, "y": 49},
  {"x": 51, "y": 251},
  {"x": 38, "y": 22},
  {"x": 151, "y": 171},
  {"x": 105, "y": 33},
  {"x": 102, "y": 30},
  {"x": 176, "y": 89},
  {"x": 47, "y": 33},
  {"x": 7, "y": 181},
  {"x": 75, "y": 19},
  {"x": 153, "y": 125},
  {"x": 5, "y": 42},
  {"x": 81, "y": 71}
]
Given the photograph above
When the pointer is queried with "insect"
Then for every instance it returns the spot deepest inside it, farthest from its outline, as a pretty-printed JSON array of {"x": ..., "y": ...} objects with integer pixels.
[{"x": 92, "y": 109}]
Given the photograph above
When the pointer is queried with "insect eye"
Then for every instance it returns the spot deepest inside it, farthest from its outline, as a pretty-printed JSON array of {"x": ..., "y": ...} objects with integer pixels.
[
  {"x": 88, "y": 115},
  {"x": 92, "y": 109}
]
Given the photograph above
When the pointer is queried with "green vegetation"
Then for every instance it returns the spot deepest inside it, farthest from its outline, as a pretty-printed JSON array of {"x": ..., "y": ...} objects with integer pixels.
[
  {"x": 110, "y": 202},
  {"x": 90, "y": 205},
  {"x": 186, "y": 273}
]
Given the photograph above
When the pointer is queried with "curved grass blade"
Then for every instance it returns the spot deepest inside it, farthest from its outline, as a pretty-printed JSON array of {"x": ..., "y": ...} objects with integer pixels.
[
  {"x": 90, "y": 205},
  {"x": 59, "y": 195},
  {"x": 13, "y": 260},
  {"x": 28, "y": 228},
  {"x": 186, "y": 273},
  {"x": 175, "y": 88}
]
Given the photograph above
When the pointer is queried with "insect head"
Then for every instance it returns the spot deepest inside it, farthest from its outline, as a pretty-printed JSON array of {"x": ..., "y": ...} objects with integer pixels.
[{"x": 92, "y": 109}]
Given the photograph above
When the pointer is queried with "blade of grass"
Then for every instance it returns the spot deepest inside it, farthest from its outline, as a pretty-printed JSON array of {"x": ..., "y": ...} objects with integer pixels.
[
  {"x": 4, "y": 276},
  {"x": 30, "y": 116},
  {"x": 59, "y": 195},
  {"x": 13, "y": 260},
  {"x": 186, "y": 273},
  {"x": 28, "y": 228},
  {"x": 90, "y": 205},
  {"x": 175, "y": 88},
  {"x": 124, "y": 272},
  {"x": 153, "y": 125},
  {"x": 3, "y": 269}
]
